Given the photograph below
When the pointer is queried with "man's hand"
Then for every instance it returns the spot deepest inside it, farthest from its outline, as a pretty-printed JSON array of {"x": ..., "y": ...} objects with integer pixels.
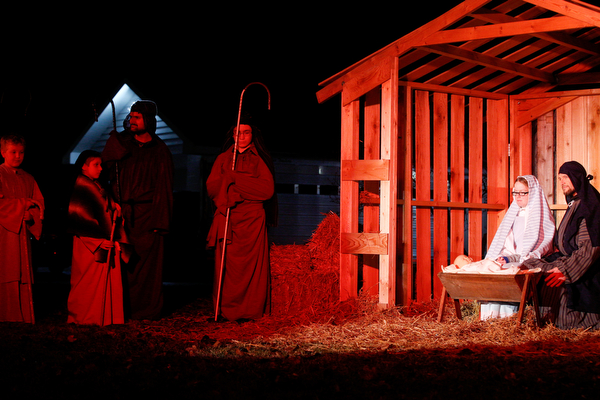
[
  {"x": 555, "y": 278},
  {"x": 107, "y": 244}
]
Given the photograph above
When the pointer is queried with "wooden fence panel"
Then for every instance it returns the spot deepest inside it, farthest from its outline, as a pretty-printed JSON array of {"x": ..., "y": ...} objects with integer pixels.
[
  {"x": 457, "y": 174},
  {"x": 440, "y": 185},
  {"x": 497, "y": 163},
  {"x": 476, "y": 153},
  {"x": 450, "y": 157},
  {"x": 372, "y": 138},
  {"x": 422, "y": 162}
]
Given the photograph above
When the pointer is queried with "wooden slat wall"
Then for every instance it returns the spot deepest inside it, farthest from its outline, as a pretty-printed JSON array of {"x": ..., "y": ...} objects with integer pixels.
[
  {"x": 571, "y": 132},
  {"x": 423, "y": 276},
  {"x": 440, "y": 183},
  {"x": 457, "y": 174},
  {"x": 372, "y": 151},
  {"x": 450, "y": 132},
  {"x": 475, "y": 194},
  {"x": 377, "y": 169}
]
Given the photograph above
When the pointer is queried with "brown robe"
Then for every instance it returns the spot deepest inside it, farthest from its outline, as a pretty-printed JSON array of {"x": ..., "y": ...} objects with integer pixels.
[
  {"x": 145, "y": 190},
  {"x": 555, "y": 302},
  {"x": 246, "y": 283},
  {"x": 16, "y": 225}
]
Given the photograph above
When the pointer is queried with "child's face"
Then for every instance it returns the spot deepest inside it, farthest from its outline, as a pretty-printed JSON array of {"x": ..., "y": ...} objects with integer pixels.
[
  {"x": 93, "y": 168},
  {"x": 13, "y": 154}
]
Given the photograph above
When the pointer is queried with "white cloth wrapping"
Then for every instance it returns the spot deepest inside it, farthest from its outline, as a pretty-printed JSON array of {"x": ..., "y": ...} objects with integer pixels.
[{"x": 485, "y": 266}]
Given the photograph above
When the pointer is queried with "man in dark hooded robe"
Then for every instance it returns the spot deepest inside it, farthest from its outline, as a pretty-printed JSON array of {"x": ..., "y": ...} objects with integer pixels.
[
  {"x": 140, "y": 169},
  {"x": 570, "y": 290}
]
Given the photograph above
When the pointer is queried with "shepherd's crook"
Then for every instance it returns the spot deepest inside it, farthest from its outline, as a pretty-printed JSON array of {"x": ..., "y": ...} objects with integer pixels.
[{"x": 237, "y": 129}]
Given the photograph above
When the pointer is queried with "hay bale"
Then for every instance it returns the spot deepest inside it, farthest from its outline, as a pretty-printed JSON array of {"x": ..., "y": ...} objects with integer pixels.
[
  {"x": 305, "y": 278},
  {"x": 324, "y": 244}
]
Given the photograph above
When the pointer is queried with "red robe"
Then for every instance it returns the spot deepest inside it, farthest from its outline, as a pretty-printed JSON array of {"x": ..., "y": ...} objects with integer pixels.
[
  {"x": 96, "y": 295},
  {"x": 16, "y": 225},
  {"x": 246, "y": 284}
]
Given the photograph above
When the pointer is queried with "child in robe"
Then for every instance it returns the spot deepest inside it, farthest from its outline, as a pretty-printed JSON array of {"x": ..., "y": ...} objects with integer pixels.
[
  {"x": 96, "y": 295},
  {"x": 21, "y": 215}
]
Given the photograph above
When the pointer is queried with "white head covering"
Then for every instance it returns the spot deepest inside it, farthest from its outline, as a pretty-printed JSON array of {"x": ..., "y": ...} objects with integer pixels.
[{"x": 540, "y": 229}]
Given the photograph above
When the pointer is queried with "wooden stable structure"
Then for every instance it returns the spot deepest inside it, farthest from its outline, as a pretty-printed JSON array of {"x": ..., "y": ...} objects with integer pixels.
[{"x": 438, "y": 124}]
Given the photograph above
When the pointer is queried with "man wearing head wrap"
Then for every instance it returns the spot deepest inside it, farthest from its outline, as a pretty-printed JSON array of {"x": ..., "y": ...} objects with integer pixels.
[
  {"x": 570, "y": 290},
  {"x": 140, "y": 169}
]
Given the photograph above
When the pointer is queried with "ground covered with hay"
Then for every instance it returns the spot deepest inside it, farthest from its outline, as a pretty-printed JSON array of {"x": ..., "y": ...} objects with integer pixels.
[
  {"x": 312, "y": 346},
  {"x": 352, "y": 350}
]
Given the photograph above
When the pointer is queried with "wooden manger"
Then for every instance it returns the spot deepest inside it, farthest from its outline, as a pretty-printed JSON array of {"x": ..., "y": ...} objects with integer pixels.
[{"x": 490, "y": 287}]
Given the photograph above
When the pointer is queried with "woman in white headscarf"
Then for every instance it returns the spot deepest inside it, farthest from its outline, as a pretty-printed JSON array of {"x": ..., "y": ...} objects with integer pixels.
[{"x": 527, "y": 231}]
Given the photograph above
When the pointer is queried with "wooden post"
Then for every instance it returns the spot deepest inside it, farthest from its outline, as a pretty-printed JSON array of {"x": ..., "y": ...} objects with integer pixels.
[
  {"x": 349, "y": 199},
  {"x": 457, "y": 174},
  {"x": 389, "y": 188},
  {"x": 423, "y": 281},
  {"x": 440, "y": 186},
  {"x": 405, "y": 184},
  {"x": 372, "y": 128}
]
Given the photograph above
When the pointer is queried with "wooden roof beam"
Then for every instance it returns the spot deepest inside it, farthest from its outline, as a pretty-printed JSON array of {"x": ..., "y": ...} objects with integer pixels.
[
  {"x": 573, "y": 8},
  {"x": 491, "y": 62},
  {"x": 579, "y": 78},
  {"x": 334, "y": 84},
  {"x": 559, "y": 38},
  {"x": 531, "y": 27}
]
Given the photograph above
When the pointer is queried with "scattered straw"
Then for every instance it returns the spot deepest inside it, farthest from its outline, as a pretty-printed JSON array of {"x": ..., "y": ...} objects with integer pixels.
[{"x": 305, "y": 278}]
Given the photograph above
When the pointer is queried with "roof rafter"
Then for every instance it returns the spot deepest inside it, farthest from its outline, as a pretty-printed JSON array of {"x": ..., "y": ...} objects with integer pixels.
[
  {"x": 532, "y": 27},
  {"x": 495, "y": 17},
  {"x": 492, "y": 62},
  {"x": 334, "y": 84},
  {"x": 573, "y": 8},
  {"x": 504, "y": 46}
]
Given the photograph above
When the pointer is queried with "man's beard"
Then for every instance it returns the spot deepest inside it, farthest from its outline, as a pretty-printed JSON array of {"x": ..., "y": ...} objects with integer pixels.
[{"x": 136, "y": 130}]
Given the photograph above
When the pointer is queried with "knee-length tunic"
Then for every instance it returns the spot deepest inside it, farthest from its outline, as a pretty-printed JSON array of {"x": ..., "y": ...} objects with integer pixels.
[{"x": 245, "y": 289}]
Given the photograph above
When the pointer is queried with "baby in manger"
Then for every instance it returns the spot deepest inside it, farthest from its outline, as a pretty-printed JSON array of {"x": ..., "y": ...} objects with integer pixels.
[{"x": 527, "y": 231}]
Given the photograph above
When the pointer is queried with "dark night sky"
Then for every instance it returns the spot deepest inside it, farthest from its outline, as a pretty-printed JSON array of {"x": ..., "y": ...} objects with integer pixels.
[{"x": 194, "y": 65}]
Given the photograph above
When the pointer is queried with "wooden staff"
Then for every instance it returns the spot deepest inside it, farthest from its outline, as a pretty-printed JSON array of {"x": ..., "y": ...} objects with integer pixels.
[
  {"x": 235, "y": 135},
  {"x": 108, "y": 266}
]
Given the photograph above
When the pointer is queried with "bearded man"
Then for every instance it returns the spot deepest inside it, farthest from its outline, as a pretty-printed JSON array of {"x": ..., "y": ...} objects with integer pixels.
[
  {"x": 140, "y": 168},
  {"x": 570, "y": 290}
]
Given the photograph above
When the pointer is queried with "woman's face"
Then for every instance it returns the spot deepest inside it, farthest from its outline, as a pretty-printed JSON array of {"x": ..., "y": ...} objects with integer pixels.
[
  {"x": 244, "y": 138},
  {"x": 519, "y": 195}
]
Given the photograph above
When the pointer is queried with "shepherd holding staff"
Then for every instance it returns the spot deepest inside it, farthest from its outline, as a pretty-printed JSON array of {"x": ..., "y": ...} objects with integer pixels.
[{"x": 241, "y": 185}]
